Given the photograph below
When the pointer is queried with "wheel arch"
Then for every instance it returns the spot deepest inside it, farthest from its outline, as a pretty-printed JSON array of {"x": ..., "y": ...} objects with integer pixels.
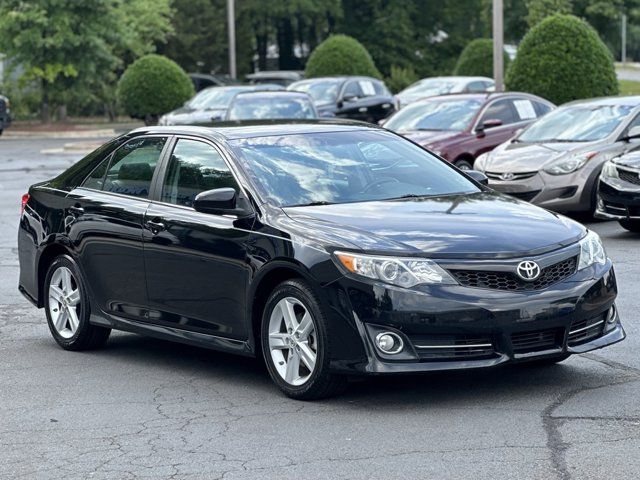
[
  {"x": 268, "y": 278},
  {"x": 50, "y": 252},
  {"x": 466, "y": 156}
]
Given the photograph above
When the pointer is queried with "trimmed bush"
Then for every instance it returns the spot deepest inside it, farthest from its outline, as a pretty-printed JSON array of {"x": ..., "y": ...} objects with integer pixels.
[
  {"x": 153, "y": 85},
  {"x": 563, "y": 59},
  {"x": 340, "y": 55},
  {"x": 400, "y": 78},
  {"x": 477, "y": 59}
]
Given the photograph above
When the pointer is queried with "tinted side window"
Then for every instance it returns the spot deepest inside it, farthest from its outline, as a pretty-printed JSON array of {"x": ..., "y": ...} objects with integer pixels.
[
  {"x": 476, "y": 87},
  {"x": 500, "y": 110},
  {"x": 542, "y": 108},
  {"x": 194, "y": 167},
  {"x": 132, "y": 167},
  {"x": 352, "y": 90},
  {"x": 95, "y": 179}
]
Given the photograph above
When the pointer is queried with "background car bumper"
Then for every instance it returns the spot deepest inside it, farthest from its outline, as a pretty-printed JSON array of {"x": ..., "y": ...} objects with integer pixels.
[
  {"x": 617, "y": 200},
  {"x": 456, "y": 327}
]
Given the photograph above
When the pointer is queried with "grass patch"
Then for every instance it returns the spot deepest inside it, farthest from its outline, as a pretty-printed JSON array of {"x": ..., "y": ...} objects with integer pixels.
[{"x": 629, "y": 87}]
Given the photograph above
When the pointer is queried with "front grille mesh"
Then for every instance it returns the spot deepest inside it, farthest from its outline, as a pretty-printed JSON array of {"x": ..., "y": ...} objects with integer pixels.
[
  {"x": 627, "y": 176},
  {"x": 526, "y": 196},
  {"x": 510, "y": 281},
  {"x": 453, "y": 347},
  {"x": 514, "y": 176},
  {"x": 526, "y": 342}
]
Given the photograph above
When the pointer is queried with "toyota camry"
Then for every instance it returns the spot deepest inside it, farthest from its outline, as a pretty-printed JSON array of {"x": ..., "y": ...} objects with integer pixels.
[{"x": 330, "y": 249}]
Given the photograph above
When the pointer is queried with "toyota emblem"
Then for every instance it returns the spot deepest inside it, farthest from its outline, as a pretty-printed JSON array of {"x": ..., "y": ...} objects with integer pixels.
[{"x": 528, "y": 270}]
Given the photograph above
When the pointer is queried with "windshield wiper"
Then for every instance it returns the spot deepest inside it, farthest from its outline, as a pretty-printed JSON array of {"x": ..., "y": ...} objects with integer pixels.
[{"x": 314, "y": 204}]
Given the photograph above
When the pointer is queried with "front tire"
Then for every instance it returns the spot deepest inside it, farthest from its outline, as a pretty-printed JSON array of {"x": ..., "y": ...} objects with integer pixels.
[
  {"x": 67, "y": 307},
  {"x": 631, "y": 225},
  {"x": 296, "y": 343},
  {"x": 464, "y": 164}
]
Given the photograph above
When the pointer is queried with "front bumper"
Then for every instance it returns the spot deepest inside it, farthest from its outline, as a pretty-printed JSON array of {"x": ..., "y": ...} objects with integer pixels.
[
  {"x": 618, "y": 200},
  {"x": 456, "y": 327},
  {"x": 561, "y": 193}
]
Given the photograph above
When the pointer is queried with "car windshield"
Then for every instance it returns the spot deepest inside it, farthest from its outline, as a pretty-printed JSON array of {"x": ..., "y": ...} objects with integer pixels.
[
  {"x": 455, "y": 114},
  {"x": 256, "y": 107},
  {"x": 343, "y": 167},
  {"x": 577, "y": 123},
  {"x": 214, "y": 98},
  {"x": 322, "y": 91},
  {"x": 430, "y": 86}
]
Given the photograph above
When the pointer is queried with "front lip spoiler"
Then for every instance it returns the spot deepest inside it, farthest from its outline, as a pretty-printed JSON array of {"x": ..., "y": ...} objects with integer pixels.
[{"x": 378, "y": 367}]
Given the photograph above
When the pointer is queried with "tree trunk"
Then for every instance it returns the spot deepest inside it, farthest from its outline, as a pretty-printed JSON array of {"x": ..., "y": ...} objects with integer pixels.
[
  {"x": 287, "y": 59},
  {"x": 62, "y": 113},
  {"x": 45, "y": 113}
]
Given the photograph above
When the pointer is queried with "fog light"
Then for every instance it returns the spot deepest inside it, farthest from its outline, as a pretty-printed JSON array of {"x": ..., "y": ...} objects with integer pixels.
[
  {"x": 611, "y": 316},
  {"x": 389, "y": 343},
  {"x": 601, "y": 204}
]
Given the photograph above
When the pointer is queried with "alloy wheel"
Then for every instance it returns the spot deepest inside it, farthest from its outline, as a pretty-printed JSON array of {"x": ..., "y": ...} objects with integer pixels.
[
  {"x": 293, "y": 341},
  {"x": 64, "y": 302}
]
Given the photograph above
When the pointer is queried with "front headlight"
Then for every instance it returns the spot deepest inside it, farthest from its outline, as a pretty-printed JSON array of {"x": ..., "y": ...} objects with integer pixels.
[
  {"x": 591, "y": 251},
  {"x": 401, "y": 271},
  {"x": 609, "y": 170},
  {"x": 569, "y": 164}
]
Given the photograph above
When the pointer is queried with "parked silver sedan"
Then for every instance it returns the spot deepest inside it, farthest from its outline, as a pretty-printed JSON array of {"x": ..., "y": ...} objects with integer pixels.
[{"x": 556, "y": 161}]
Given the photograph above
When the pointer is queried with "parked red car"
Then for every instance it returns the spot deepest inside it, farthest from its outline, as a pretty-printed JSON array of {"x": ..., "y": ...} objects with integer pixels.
[{"x": 462, "y": 126}]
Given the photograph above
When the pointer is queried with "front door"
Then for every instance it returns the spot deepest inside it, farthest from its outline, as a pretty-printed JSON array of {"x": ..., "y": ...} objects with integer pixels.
[
  {"x": 104, "y": 219},
  {"x": 196, "y": 263}
]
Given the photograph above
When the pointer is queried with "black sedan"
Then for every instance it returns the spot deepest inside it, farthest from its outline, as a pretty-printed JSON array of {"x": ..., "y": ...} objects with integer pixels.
[
  {"x": 329, "y": 249},
  {"x": 619, "y": 189},
  {"x": 357, "y": 98}
]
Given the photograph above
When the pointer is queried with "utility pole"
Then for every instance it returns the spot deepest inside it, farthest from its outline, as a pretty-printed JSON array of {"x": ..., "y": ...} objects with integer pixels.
[
  {"x": 624, "y": 39},
  {"x": 498, "y": 47},
  {"x": 231, "y": 28}
]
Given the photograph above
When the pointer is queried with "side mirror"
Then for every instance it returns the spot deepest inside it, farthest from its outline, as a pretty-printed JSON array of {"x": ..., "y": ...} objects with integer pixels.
[
  {"x": 478, "y": 176},
  {"x": 349, "y": 98},
  {"x": 632, "y": 133},
  {"x": 219, "y": 200},
  {"x": 489, "y": 123}
]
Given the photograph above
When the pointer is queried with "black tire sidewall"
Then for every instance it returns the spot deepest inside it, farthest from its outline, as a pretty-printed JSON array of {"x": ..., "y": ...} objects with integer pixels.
[
  {"x": 83, "y": 317},
  {"x": 463, "y": 162},
  {"x": 303, "y": 292}
]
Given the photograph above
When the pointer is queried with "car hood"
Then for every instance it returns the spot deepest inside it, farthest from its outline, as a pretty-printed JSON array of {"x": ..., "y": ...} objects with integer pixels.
[
  {"x": 480, "y": 225},
  {"x": 187, "y": 116},
  {"x": 429, "y": 137},
  {"x": 631, "y": 159},
  {"x": 516, "y": 157}
]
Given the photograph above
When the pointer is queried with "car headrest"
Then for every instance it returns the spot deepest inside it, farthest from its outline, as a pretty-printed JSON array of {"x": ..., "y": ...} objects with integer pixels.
[{"x": 135, "y": 171}]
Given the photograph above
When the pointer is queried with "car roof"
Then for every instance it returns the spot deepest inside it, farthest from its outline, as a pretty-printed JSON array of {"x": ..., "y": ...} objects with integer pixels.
[
  {"x": 631, "y": 101},
  {"x": 478, "y": 96},
  {"x": 457, "y": 77},
  {"x": 341, "y": 78},
  {"x": 251, "y": 129},
  {"x": 272, "y": 93},
  {"x": 285, "y": 74}
]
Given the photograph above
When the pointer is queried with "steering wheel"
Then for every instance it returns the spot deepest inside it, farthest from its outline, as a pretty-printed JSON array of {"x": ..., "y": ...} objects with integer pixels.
[{"x": 379, "y": 181}]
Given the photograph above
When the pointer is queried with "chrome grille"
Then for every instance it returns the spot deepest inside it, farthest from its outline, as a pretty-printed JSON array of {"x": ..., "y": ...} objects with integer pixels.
[
  {"x": 508, "y": 177},
  {"x": 498, "y": 280},
  {"x": 452, "y": 347}
]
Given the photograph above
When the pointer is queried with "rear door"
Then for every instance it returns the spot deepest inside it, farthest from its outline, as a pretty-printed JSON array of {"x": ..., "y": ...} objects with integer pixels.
[
  {"x": 104, "y": 222},
  {"x": 512, "y": 119},
  {"x": 196, "y": 263}
]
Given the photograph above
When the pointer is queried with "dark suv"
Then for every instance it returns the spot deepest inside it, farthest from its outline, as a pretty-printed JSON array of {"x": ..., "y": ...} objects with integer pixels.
[{"x": 5, "y": 117}]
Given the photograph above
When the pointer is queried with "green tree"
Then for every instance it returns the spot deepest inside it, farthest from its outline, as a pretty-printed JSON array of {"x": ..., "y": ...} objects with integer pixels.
[
  {"x": 153, "y": 85},
  {"x": 477, "y": 59},
  {"x": 340, "y": 55},
  {"x": 538, "y": 10},
  {"x": 400, "y": 78},
  {"x": 562, "y": 59},
  {"x": 74, "y": 49}
]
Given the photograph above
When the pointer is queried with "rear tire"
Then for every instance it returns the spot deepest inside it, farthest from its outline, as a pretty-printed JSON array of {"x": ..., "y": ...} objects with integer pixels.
[
  {"x": 631, "y": 225},
  {"x": 68, "y": 309},
  {"x": 296, "y": 343}
]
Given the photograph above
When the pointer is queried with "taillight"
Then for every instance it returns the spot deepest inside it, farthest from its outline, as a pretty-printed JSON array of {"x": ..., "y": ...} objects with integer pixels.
[{"x": 25, "y": 199}]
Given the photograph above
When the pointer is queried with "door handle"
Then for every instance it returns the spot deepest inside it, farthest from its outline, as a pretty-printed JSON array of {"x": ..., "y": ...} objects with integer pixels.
[
  {"x": 76, "y": 210},
  {"x": 155, "y": 227}
]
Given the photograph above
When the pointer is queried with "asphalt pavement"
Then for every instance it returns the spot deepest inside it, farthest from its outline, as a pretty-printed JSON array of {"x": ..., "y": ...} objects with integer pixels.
[{"x": 145, "y": 408}]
